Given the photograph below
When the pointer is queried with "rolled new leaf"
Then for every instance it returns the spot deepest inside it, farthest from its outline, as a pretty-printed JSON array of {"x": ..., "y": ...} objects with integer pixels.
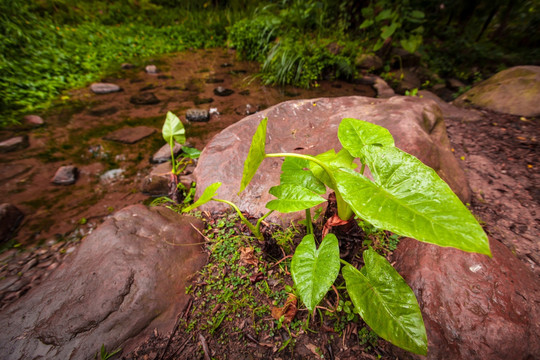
[
  {"x": 206, "y": 196},
  {"x": 315, "y": 270},
  {"x": 291, "y": 198},
  {"x": 410, "y": 199},
  {"x": 386, "y": 303},
  {"x": 255, "y": 156}
]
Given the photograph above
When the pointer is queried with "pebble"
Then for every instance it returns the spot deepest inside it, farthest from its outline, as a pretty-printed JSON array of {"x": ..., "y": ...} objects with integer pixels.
[
  {"x": 65, "y": 175},
  {"x": 151, "y": 69},
  {"x": 221, "y": 91},
  {"x": 34, "y": 120},
  {"x": 197, "y": 115},
  {"x": 104, "y": 88},
  {"x": 14, "y": 144}
]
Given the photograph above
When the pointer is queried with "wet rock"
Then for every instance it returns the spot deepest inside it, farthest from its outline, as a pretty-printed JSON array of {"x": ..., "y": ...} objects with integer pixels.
[
  {"x": 110, "y": 110},
  {"x": 14, "y": 144},
  {"x": 125, "y": 280},
  {"x": 384, "y": 91},
  {"x": 65, "y": 175},
  {"x": 406, "y": 80},
  {"x": 145, "y": 98},
  {"x": 148, "y": 87},
  {"x": 213, "y": 81},
  {"x": 127, "y": 66},
  {"x": 221, "y": 91},
  {"x": 10, "y": 218},
  {"x": 165, "y": 77},
  {"x": 200, "y": 101},
  {"x": 197, "y": 115},
  {"x": 164, "y": 153},
  {"x": 401, "y": 58},
  {"x": 151, "y": 69},
  {"x": 247, "y": 109},
  {"x": 112, "y": 176},
  {"x": 416, "y": 124},
  {"x": 130, "y": 135},
  {"x": 157, "y": 182},
  {"x": 369, "y": 61},
  {"x": 104, "y": 88},
  {"x": 474, "y": 307},
  {"x": 455, "y": 84},
  {"x": 34, "y": 121},
  {"x": 451, "y": 112},
  {"x": 514, "y": 91},
  {"x": 245, "y": 92}
]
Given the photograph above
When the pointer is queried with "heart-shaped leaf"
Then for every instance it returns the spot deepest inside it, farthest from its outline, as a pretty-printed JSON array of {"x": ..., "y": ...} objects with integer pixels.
[
  {"x": 292, "y": 197},
  {"x": 354, "y": 134},
  {"x": 255, "y": 156},
  {"x": 206, "y": 196},
  {"x": 410, "y": 199},
  {"x": 296, "y": 171},
  {"x": 315, "y": 270},
  {"x": 386, "y": 303},
  {"x": 173, "y": 130}
]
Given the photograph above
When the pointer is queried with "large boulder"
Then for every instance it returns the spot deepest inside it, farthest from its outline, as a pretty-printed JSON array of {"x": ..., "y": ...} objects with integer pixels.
[
  {"x": 474, "y": 307},
  {"x": 126, "y": 279},
  {"x": 514, "y": 91},
  {"x": 310, "y": 127}
]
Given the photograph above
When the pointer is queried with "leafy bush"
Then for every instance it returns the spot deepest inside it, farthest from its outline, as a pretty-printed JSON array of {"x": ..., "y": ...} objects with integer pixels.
[{"x": 252, "y": 39}]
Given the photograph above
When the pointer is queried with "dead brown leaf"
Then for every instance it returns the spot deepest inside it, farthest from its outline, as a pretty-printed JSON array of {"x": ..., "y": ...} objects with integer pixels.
[{"x": 288, "y": 311}]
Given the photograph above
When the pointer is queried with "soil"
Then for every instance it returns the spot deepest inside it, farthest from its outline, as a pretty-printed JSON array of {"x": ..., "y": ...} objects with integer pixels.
[{"x": 499, "y": 153}]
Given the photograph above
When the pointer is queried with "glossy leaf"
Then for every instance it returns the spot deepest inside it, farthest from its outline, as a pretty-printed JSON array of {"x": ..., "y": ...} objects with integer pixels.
[
  {"x": 386, "y": 303},
  {"x": 190, "y": 152},
  {"x": 343, "y": 159},
  {"x": 292, "y": 197},
  {"x": 206, "y": 196},
  {"x": 296, "y": 171},
  {"x": 173, "y": 130},
  {"x": 409, "y": 199},
  {"x": 255, "y": 156},
  {"x": 354, "y": 134},
  {"x": 315, "y": 270}
]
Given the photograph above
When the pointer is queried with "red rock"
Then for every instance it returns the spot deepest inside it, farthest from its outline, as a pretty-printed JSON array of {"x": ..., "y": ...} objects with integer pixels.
[{"x": 130, "y": 135}]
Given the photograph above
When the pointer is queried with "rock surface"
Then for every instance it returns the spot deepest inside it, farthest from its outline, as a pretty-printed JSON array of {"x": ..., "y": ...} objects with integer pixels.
[
  {"x": 514, "y": 91},
  {"x": 10, "y": 218},
  {"x": 299, "y": 126},
  {"x": 164, "y": 153},
  {"x": 65, "y": 175},
  {"x": 145, "y": 98},
  {"x": 151, "y": 69},
  {"x": 221, "y": 91},
  {"x": 14, "y": 144},
  {"x": 474, "y": 307},
  {"x": 34, "y": 120},
  {"x": 104, "y": 88},
  {"x": 130, "y": 135},
  {"x": 369, "y": 61},
  {"x": 197, "y": 115},
  {"x": 125, "y": 280},
  {"x": 451, "y": 112}
]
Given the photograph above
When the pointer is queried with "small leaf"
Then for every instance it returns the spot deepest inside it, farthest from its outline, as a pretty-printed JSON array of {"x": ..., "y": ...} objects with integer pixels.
[
  {"x": 417, "y": 14},
  {"x": 315, "y": 270},
  {"x": 173, "y": 130},
  {"x": 333, "y": 161},
  {"x": 379, "y": 44},
  {"x": 190, "y": 152},
  {"x": 255, "y": 156},
  {"x": 206, "y": 196},
  {"x": 355, "y": 134},
  {"x": 386, "y": 303},
  {"x": 389, "y": 30},
  {"x": 296, "y": 171},
  {"x": 384, "y": 15},
  {"x": 410, "y": 199},
  {"x": 292, "y": 197},
  {"x": 367, "y": 23}
]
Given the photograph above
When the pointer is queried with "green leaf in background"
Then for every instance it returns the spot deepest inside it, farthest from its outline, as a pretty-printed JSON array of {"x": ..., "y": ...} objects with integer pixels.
[
  {"x": 389, "y": 30},
  {"x": 207, "y": 195},
  {"x": 384, "y": 15},
  {"x": 315, "y": 270},
  {"x": 367, "y": 23},
  {"x": 386, "y": 303},
  {"x": 173, "y": 130},
  {"x": 296, "y": 171},
  {"x": 412, "y": 43},
  {"x": 354, "y": 134},
  {"x": 190, "y": 152},
  {"x": 292, "y": 197},
  {"x": 333, "y": 161},
  {"x": 255, "y": 156},
  {"x": 410, "y": 199},
  {"x": 417, "y": 14}
]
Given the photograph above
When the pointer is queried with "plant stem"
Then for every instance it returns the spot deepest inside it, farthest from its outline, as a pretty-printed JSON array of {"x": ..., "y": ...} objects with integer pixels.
[
  {"x": 254, "y": 230},
  {"x": 309, "y": 224},
  {"x": 173, "y": 160}
]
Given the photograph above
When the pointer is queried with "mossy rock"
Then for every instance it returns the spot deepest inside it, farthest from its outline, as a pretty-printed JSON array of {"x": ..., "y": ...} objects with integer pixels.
[{"x": 514, "y": 91}]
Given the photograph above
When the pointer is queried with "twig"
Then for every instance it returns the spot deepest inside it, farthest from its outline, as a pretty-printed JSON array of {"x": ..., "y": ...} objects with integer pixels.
[
  {"x": 181, "y": 315},
  {"x": 205, "y": 347},
  {"x": 179, "y": 349}
]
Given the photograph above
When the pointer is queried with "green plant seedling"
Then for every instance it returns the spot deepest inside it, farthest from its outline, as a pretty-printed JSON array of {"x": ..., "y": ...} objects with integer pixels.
[
  {"x": 405, "y": 197},
  {"x": 173, "y": 131},
  {"x": 104, "y": 355}
]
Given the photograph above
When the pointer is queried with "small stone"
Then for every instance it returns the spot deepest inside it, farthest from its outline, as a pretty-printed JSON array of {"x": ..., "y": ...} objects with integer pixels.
[
  {"x": 14, "y": 144},
  {"x": 155, "y": 185},
  {"x": 199, "y": 101},
  {"x": 104, "y": 88},
  {"x": 164, "y": 153},
  {"x": 225, "y": 65},
  {"x": 213, "y": 81},
  {"x": 111, "y": 110},
  {"x": 197, "y": 115},
  {"x": 65, "y": 175},
  {"x": 221, "y": 91},
  {"x": 145, "y": 98},
  {"x": 34, "y": 120},
  {"x": 45, "y": 264},
  {"x": 130, "y": 135},
  {"x": 8, "y": 281},
  {"x": 151, "y": 69},
  {"x": 112, "y": 176},
  {"x": 369, "y": 61},
  {"x": 70, "y": 249},
  {"x": 384, "y": 90},
  {"x": 127, "y": 66},
  {"x": 30, "y": 264},
  {"x": 7, "y": 255},
  {"x": 10, "y": 218},
  {"x": 455, "y": 84},
  {"x": 247, "y": 109},
  {"x": 165, "y": 77},
  {"x": 245, "y": 92},
  {"x": 148, "y": 87}
]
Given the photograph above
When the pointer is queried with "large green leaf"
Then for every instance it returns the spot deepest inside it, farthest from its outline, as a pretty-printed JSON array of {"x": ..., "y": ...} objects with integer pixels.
[
  {"x": 333, "y": 161},
  {"x": 354, "y": 134},
  {"x": 411, "y": 200},
  {"x": 292, "y": 197},
  {"x": 386, "y": 303},
  {"x": 255, "y": 156},
  {"x": 315, "y": 270},
  {"x": 173, "y": 130},
  {"x": 296, "y": 171},
  {"x": 206, "y": 196}
]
